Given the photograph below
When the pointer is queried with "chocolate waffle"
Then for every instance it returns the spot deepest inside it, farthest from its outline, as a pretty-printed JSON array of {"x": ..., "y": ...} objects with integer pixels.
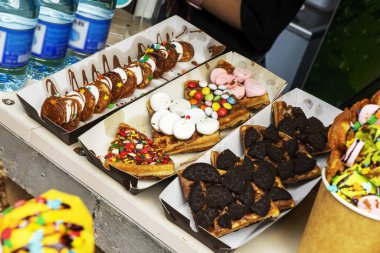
[
  {"x": 309, "y": 131},
  {"x": 252, "y": 103},
  {"x": 134, "y": 153},
  {"x": 172, "y": 145},
  {"x": 221, "y": 206},
  {"x": 235, "y": 116},
  {"x": 266, "y": 145}
]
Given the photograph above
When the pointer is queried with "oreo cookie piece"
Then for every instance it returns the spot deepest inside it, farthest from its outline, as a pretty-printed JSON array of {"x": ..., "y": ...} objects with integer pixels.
[
  {"x": 277, "y": 193},
  {"x": 301, "y": 122},
  {"x": 291, "y": 147},
  {"x": 251, "y": 136},
  {"x": 202, "y": 220},
  {"x": 303, "y": 164},
  {"x": 233, "y": 180},
  {"x": 236, "y": 211},
  {"x": 218, "y": 196},
  {"x": 224, "y": 221},
  {"x": 287, "y": 126},
  {"x": 297, "y": 111},
  {"x": 271, "y": 134},
  {"x": 302, "y": 137},
  {"x": 202, "y": 172},
  {"x": 265, "y": 175},
  {"x": 248, "y": 195},
  {"x": 258, "y": 150},
  {"x": 317, "y": 141},
  {"x": 226, "y": 160},
  {"x": 212, "y": 213},
  {"x": 262, "y": 206},
  {"x": 247, "y": 169},
  {"x": 285, "y": 169},
  {"x": 275, "y": 153},
  {"x": 197, "y": 199},
  {"x": 314, "y": 125}
]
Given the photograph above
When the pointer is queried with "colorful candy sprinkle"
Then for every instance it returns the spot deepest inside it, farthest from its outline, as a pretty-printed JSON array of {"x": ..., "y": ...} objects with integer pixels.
[
  {"x": 227, "y": 106},
  {"x": 202, "y": 84},
  {"x": 215, "y": 106},
  {"x": 192, "y": 92},
  {"x": 191, "y": 85},
  {"x": 216, "y": 98},
  {"x": 209, "y": 97},
  {"x": 206, "y": 91},
  {"x": 193, "y": 101},
  {"x": 231, "y": 100},
  {"x": 198, "y": 95},
  {"x": 222, "y": 112}
]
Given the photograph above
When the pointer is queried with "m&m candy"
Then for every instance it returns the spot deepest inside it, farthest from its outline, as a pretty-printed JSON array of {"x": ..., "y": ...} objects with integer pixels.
[
  {"x": 198, "y": 95},
  {"x": 193, "y": 101},
  {"x": 191, "y": 85},
  {"x": 215, "y": 106},
  {"x": 227, "y": 106},
  {"x": 206, "y": 91},
  {"x": 209, "y": 97},
  {"x": 192, "y": 92},
  {"x": 222, "y": 112}
]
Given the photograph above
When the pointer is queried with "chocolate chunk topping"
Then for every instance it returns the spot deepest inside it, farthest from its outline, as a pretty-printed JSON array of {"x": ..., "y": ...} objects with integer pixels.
[
  {"x": 291, "y": 147},
  {"x": 251, "y": 136},
  {"x": 262, "y": 206},
  {"x": 303, "y": 164},
  {"x": 277, "y": 193},
  {"x": 297, "y": 111},
  {"x": 233, "y": 180},
  {"x": 236, "y": 211},
  {"x": 218, "y": 196},
  {"x": 274, "y": 153},
  {"x": 285, "y": 169},
  {"x": 202, "y": 220},
  {"x": 302, "y": 137},
  {"x": 265, "y": 175},
  {"x": 287, "y": 126},
  {"x": 202, "y": 172},
  {"x": 248, "y": 195},
  {"x": 224, "y": 221},
  {"x": 271, "y": 134},
  {"x": 197, "y": 198},
  {"x": 317, "y": 141},
  {"x": 226, "y": 160},
  {"x": 258, "y": 150}
]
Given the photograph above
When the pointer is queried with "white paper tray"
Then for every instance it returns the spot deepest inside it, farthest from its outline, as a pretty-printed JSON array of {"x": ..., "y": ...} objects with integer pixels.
[
  {"x": 177, "y": 209},
  {"x": 136, "y": 115},
  {"x": 33, "y": 96}
]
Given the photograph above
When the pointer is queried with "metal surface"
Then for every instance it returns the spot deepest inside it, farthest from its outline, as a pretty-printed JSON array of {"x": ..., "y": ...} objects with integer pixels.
[{"x": 115, "y": 232}]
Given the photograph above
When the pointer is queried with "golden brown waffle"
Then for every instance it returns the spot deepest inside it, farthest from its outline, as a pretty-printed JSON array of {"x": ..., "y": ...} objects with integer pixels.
[
  {"x": 154, "y": 162},
  {"x": 172, "y": 145},
  {"x": 252, "y": 103},
  {"x": 3, "y": 193},
  {"x": 248, "y": 219},
  {"x": 295, "y": 177},
  {"x": 235, "y": 117},
  {"x": 340, "y": 131}
]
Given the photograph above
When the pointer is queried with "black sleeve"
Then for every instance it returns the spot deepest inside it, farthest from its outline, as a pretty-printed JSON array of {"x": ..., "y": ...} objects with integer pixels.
[{"x": 263, "y": 20}]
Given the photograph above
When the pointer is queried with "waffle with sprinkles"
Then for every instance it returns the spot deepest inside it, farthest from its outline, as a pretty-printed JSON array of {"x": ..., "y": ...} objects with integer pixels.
[
  {"x": 52, "y": 222},
  {"x": 136, "y": 154}
]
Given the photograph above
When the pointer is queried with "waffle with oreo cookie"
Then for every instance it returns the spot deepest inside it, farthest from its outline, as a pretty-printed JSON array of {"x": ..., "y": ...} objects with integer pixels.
[
  {"x": 223, "y": 201},
  {"x": 292, "y": 161},
  {"x": 310, "y": 132}
]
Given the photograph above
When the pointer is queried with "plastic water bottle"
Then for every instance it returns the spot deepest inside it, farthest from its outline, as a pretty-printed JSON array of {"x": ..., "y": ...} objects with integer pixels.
[
  {"x": 18, "y": 19},
  {"x": 51, "y": 37},
  {"x": 90, "y": 28}
]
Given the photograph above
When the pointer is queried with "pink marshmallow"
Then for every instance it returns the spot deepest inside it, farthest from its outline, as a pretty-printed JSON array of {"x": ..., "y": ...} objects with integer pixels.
[
  {"x": 237, "y": 90},
  {"x": 254, "y": 88},
  {"x": 224, "y": 79},
  {"x": 366, "y": 113},
  {"x": 217, "y": 72},
  {"x": 241, "y": 74}
]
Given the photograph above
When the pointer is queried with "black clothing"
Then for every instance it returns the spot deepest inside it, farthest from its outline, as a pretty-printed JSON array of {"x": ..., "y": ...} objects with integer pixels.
[{"x": 261, "y": 20}]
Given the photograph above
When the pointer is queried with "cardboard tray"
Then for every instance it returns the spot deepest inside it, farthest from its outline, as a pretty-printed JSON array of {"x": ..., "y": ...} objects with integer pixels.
[
  {"x": 33, "y": 96},
  {"x": 97, "y": 140},
  {"x": 177, "y": 209}
]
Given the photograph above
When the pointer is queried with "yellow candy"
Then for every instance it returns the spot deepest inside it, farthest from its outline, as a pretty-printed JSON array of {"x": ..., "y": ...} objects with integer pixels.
[
  {"x": 206, "y": 91},
  {"x": 227, "y": 106},
  {"x": 215, "y": 106},
  {"x": 192, "y": 92}
]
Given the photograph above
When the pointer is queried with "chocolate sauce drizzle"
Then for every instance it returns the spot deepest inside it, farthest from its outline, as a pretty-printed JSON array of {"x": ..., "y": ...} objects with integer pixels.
[
  {"x": 116, "y": 62},
  {"x": 72, "y": 79},
  {"x": 105, "y": 63},
  {"x": 140, "y": 50},
  {"x": 84, "y": 77},
  {"x": 52, "y": 89},
  {"x": 182, "y": 33},
  {"x": 94, "y": 73}
]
